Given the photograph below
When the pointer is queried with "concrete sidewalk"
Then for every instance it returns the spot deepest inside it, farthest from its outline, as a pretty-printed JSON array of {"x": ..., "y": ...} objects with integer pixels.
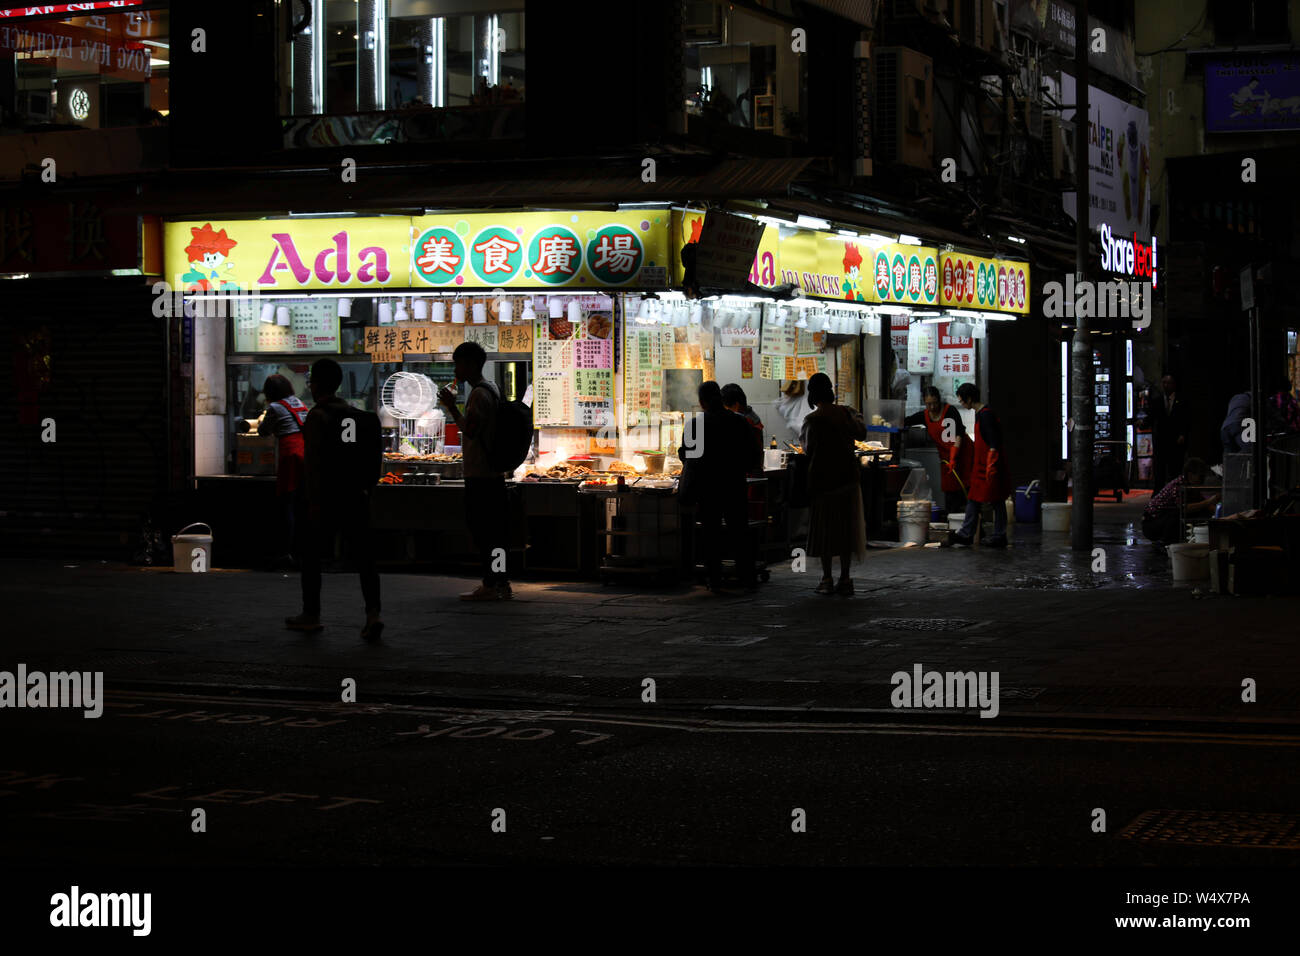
[{"x": 1064, "y": 639}]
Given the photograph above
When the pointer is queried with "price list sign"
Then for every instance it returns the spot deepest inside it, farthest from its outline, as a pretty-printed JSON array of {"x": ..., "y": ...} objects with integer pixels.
[
  {"x": 573, "y": 366},
  {"x": 643, "y": 376}
]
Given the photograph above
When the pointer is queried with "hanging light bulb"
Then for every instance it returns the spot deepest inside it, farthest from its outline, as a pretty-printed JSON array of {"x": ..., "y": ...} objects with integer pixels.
[
  {"x": 480, "y": 313},
  {"x": 458, "y": 313},
  {"x": 268, "y": 313},
  {"x": 345, "y": 308},
  {"x": 439, "y": 311},
  {"x": 282, "y": 316},
  {"x": 528, "y": 315},
  {"x": 697, "y": 313},
  {"x": 402, "y": 315},
  {"x": 575, "y": 312},
  {"x": 421, "y": 307},
  {"x": 803, "y": 319},
  {"x": 557, "y": 307},
  {"x": 506, "y": 314}
]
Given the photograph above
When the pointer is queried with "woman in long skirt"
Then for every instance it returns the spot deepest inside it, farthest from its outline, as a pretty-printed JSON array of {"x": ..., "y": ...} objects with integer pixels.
[{"x": 836, "y": 525}]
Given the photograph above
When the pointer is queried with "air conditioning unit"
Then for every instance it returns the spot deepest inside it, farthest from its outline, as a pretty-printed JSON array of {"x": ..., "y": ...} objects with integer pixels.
[
  {"x": 1034, "y": 117},
  {"x": 703, "y": 19},
  {"x": 977, "y": 25},
  {"x": 904, "y": 107},
  {"x": 1057, "y": 149}
]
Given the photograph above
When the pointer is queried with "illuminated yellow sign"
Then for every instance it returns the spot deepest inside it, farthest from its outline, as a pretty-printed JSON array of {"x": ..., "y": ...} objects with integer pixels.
[{"x": 574, "y": 250}]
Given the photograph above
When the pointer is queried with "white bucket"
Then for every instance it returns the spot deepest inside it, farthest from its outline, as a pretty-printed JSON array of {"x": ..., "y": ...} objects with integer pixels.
[
  {"x": 914, "y": 521},
  {"x": 192, "y": 553},
  {"x": 1056, "y": 516},
  {"x": 1201, "y": 534},
  {"x": 1191, "y": 561}
]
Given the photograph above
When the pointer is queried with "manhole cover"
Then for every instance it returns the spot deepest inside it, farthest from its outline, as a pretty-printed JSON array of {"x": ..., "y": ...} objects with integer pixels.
[
  {"x": 916, "y": 624},
  {"x": 716, "y": 640},
  {"x": 1277, "y": 831}
]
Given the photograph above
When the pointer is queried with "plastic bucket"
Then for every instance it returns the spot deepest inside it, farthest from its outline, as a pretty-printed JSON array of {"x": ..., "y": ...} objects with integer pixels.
[
  {"x": 914, "y": 521},
  {"x": 1056, "y": 516},
  {"x": 192, "y": 553},
  {"x": 1029, "y": 503},
  {"x": 1191, "y": 561}
]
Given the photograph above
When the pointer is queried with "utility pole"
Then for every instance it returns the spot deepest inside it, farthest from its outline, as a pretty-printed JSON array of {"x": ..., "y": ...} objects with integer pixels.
[{"x": 1082, "y": 384}]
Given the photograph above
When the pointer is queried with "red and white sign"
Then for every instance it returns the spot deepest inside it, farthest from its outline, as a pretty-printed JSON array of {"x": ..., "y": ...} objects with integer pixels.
[
  {"x": 956, "y": 354},
  {"x": 1128, "y": 254},
  {"x": 898, "y": 326}
]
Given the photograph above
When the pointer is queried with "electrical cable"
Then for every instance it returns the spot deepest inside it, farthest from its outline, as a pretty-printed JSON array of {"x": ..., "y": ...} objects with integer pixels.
[{"x": 1167, "y": 49}]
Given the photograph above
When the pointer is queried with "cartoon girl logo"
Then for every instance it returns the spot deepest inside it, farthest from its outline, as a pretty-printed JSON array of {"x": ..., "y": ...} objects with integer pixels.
[
  {"x": 852, "y": 273},
  {"x": 206, "y": 253}
]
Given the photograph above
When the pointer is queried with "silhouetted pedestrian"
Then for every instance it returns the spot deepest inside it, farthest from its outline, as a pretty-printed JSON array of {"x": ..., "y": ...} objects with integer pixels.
[
  {"x": 486, "y": 502},
  {"x": 716, "y": 445},
  {"x": 836, "y": 524},
  {"x": 1167, "y": 419},
  {"x": 284, "y": 418},
  {"x": 735, "y": 401},
  {"x": 343, "y": 455}
]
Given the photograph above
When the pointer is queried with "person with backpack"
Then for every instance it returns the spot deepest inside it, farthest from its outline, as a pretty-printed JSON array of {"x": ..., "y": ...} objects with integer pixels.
[
  {"x": 343, "y": 457},
  {"x": 491, "y": 431},
  {"x": 284, "y": 418}
]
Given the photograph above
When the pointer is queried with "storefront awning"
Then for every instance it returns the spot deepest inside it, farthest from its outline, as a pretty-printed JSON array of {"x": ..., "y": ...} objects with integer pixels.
[{"x": 268, "y": 192}]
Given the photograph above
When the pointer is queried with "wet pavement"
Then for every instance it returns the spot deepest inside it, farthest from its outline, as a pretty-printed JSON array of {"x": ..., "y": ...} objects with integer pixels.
[{"x": 1064, "y": 638}]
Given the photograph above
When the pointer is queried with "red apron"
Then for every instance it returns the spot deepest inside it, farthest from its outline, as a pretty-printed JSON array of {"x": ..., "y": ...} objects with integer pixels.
[
  {"x": 990, "y": 477},
  {"x": 288, "y": 476},
  {"x": 961, "y": 449}
]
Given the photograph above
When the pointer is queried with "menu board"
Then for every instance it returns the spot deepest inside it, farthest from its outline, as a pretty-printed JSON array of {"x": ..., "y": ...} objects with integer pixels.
[
  {"x": 390, "y": 343},
  {"x": 643, "y": 375},
  {"x": 314, "y": 326},
  {"x": 778, "y": 367},
  {"x": 790, "y": 340},
  {"x": 573, "y": 371},
  {"x": 682, "y": 347}
]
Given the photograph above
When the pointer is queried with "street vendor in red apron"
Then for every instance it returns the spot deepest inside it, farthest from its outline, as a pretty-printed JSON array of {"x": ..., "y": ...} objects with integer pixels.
[
  {"x": 942, "y": 421},
  {"x": 285, "y": 414},
  {"x": 990, "y": 474}
]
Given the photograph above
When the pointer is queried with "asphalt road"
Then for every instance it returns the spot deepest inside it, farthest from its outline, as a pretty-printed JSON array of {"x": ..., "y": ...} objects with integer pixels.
[{"x": 284, "y": 781}]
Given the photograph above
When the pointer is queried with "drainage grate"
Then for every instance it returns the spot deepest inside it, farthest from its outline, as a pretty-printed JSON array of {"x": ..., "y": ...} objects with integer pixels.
[
  {"x": 716, "y": 640},
  {"x": 917, "y": 624},
  {"x": 1241, "y": 828}
]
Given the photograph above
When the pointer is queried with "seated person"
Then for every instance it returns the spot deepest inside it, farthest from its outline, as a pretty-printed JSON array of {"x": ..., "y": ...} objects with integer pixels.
[{"x": 1161, "y": 521}]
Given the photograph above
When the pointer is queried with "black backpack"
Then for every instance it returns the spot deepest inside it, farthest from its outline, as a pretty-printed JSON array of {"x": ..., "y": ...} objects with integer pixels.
[
  {"x": 354, "y": 466},
  {"x": 512, "y": 434}
]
